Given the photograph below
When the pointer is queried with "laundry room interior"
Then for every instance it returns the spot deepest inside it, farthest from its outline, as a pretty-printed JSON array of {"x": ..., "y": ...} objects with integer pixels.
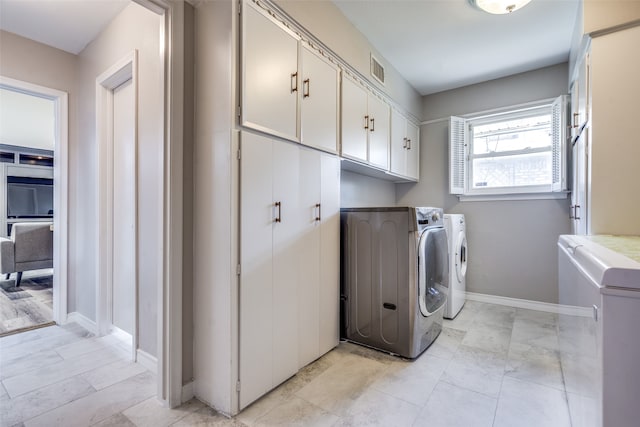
[{"x": 330, "y": 213}]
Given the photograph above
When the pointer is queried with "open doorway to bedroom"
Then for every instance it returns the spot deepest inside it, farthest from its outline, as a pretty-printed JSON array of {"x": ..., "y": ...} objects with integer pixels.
[{"x": 30, "y": 139}]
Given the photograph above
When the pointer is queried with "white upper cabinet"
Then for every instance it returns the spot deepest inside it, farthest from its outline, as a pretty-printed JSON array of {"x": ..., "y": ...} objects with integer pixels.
[
  {"x": 355, "y": 120},
  {"x": 379, "y": 118},
  {"x": 319, "y": 106},
  {"x": 288, "y": 89},
  {"x": 580, "y": 97},
  {"x": 365, "y": 125},
  {"x": 270, "y": 82},
  {"x": 405, "y": 147}
]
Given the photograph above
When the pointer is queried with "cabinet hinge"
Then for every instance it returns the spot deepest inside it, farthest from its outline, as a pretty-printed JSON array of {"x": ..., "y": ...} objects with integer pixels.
[
  {"x": 238, "y": 154},
  {"x": 239, "y": 110},
  {"x": 238, "y": 267},
  {"x": 237, "y": 385},
  {"x": 239, "y": 7}
]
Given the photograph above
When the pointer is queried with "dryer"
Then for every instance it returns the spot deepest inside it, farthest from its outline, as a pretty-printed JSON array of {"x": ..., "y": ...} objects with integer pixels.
[
  {"x": 457, "y": 238},
  {"x": 394, "y": 275}
]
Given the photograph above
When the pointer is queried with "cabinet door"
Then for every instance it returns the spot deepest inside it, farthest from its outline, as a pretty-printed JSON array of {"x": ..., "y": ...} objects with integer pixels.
[
  {"x": 579, "y": 203},
  {"x": 329, "y": 253},
  {"x": 310, "y": 267},
  {"x": 256, "y": 285},
  {"x": 413, "y": 151},
  {"x": 583, "y": 93},
  {"x": 269, "y": 75},
  {"x": 398, "y": 143},
  {"x": 379, "y": 117},
  {"x": 286, "y": 241},
  {"x": 355, "y": 123},
  {"x": 319, "y": 105}
]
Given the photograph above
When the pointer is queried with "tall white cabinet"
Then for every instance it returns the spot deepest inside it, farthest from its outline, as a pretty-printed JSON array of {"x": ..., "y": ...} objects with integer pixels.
[
  {"x": 289, "y": 260},
  {"x": 605, "y": 198}
]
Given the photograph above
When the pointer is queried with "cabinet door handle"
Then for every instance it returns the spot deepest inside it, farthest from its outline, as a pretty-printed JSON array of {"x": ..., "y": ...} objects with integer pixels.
[
  {"x": 409, "y": 146},
  {"x": 571, "y": 212},
  {"x": 278, "y": 206},
  {"x": 294, "y": 82},
  {"x": 306, "y": 88},
  {"x": 319, "y": 210},
  {"x": 366, "y": 122},
  {"x": 595, "y": 312},
  {"x": 575, "y": 212},
  {"x": 405, "y": 143},
  {"x": 373, "y": 124},
  {"x": 575, "y": 119}
]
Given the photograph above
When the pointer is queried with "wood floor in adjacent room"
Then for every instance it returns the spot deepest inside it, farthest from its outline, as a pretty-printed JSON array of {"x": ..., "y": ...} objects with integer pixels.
[
  {"x": 491, "y": 366},
  {"x": 28, "y": 305}
]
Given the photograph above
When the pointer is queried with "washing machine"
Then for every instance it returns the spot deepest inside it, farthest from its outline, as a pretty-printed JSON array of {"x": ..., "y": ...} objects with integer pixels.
[
  {"x": 394, "y": 275},
  {"x": 457, "y": 238}
]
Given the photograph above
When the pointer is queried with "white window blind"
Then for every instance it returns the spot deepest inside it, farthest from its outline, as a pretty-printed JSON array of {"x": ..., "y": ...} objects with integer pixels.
[
  {"x": 457, "y": 155},
  {"x": 519, "y": 151}
]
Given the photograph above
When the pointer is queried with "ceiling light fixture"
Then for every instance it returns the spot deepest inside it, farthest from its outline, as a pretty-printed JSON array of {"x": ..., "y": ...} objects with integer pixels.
[{"x": 499, "y": 7}]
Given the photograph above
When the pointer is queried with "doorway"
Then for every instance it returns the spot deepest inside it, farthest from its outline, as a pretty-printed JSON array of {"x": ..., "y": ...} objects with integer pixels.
[
  {"x": 28, "y": 176},
  {"x": 117, "y": 131}
]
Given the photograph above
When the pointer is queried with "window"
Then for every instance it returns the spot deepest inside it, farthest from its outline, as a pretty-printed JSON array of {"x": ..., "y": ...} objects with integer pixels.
[{"x": 521, "y": 151}]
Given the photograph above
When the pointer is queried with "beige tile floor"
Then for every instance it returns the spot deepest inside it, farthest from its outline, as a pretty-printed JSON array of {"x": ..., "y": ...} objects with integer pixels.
[{"x": 491, "y": 366}]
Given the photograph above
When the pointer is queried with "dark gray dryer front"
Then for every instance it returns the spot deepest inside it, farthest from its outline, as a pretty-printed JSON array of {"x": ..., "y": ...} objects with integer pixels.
[{"x": 394, "y": 270}]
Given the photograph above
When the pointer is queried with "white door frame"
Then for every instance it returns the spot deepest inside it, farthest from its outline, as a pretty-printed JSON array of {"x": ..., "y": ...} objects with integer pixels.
[
  {"x": 60, "y": 193},
  {"x": 122, "y": 71},
  {"x": 169, "y": 352}
]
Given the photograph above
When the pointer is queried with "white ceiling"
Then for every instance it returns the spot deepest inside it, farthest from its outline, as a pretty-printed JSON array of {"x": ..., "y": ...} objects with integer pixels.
[
  {"x": 443, "y": 44},
  {"x": 65, "y": 24},
  {"x": 435, "y": 44}
]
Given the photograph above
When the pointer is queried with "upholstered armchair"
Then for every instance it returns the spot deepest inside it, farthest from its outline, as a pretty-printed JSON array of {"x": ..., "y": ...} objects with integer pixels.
[{"x": 30, "y": 247}]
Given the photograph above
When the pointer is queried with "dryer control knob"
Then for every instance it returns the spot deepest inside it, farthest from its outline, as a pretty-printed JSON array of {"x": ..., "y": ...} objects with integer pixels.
[{"x": 435, "y": 216}]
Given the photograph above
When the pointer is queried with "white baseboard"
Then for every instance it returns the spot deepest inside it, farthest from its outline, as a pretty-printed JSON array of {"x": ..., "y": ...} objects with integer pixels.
[
  {"x": 83, "y": 321},
  {"x": 188, "y": 391},
  {"x": 148, "y": 361},
  {"x": 527, "y": 304}
]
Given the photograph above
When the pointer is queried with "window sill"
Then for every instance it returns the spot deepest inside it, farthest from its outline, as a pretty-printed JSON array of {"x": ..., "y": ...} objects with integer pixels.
[{"x": 513, "y": 196}]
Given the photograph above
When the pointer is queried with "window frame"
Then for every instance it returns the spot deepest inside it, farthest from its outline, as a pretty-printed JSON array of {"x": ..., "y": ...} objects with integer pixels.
[{"x": 461, "y": 183}]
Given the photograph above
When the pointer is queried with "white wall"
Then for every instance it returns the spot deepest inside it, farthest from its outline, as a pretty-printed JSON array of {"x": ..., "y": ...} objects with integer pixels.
[
  {"x": 26, "y": 120},
  {"x": 134, "y": 28},
  {"x": 214, "y": 289},
  {"x": 512, "y": 244}
]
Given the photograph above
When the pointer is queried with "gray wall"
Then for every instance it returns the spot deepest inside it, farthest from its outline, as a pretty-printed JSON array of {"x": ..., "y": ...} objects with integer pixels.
[
  {"x": 512, "y": 244},
  {"x": 33, "y": 62},
  {"x": 134, "y": 28},
  {"x": 362, "y": 191}
]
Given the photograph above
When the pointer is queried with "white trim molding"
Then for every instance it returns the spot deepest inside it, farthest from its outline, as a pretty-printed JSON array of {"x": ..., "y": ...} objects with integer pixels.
[
  {"x": 122, "y": 71},
  {"x": 148, "y": 361},
  {"x": 60, "y": 179},
  {"x": 527, "y": 304},
  {"x": 188, "y": 391},
  {"x": 83, "y": 321}
]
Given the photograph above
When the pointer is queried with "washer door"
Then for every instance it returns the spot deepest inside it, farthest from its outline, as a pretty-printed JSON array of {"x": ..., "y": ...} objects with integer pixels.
[
  {"x": 461, "y": 256},
  {"x": 433, "y": 270}
]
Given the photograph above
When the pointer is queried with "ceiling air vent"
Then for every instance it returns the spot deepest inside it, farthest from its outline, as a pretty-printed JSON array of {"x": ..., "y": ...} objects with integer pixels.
[{"x": 377, "y": 70}]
